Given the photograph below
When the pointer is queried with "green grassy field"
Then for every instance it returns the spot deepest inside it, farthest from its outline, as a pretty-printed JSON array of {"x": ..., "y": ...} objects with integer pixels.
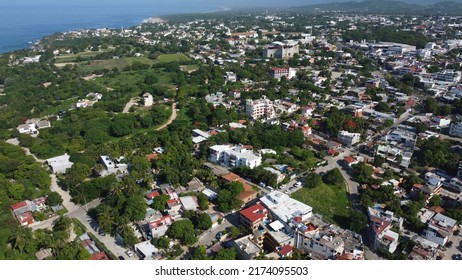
[
  {"x": 329, "y": 201},
  {"x": 72, "y": 57}
]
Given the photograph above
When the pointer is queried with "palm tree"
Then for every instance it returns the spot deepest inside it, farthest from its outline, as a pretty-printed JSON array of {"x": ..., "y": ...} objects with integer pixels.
[
  {"x": 18, "y": 241},
  {"x": 105, "y": 217}
]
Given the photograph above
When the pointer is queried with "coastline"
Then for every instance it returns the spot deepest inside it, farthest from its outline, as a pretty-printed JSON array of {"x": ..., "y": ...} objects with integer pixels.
[{"x": 25, "y": 42}]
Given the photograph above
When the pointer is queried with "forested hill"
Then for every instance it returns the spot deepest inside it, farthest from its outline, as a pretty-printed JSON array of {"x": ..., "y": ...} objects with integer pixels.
[{"x": 388, "y": 7}]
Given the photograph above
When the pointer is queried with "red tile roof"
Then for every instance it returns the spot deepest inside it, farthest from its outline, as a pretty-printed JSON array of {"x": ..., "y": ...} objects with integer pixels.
[
  {"x": 255, "y": 213},
  {"x": 151, "y": 156},
  {"x": 285, "y": 250},
  {"x": 349, "y": 160},
  {"x": 379, "y": 225},
  {"x": 18, "y": 205},
  {"x": 100, "y": 256},
  {"x": 26, "y": 218},
  {"x": 152, "y": 194}
]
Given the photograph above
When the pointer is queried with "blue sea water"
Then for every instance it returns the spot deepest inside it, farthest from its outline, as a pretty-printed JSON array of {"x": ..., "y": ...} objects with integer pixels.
[{"x": 21, "y": 24}]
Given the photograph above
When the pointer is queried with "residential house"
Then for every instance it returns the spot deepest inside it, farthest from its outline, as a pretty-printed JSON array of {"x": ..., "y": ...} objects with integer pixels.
[
  {"x": 248, "y": 194},
  {"x": 456, "y": 130},
  {"x": 113, "y": 166},
  {"x": 279, "y": 176},
  {"x": 381, "y": 223},
  {"x": 287, "y": 72},
  {"x": 159, "y": 227},
  {"x": 23, "y": 210},
  {"x": 440, "y": 229},
  {"x": 189, "y": 203},
  {"x": 146, "y": 251},
  {"x": 59, "y": 164},
  {"x": 28, "y": 129}
]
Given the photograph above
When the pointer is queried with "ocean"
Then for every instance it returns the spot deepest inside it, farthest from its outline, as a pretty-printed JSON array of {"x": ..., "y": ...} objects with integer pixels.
[{"x": 21, "y": 25}]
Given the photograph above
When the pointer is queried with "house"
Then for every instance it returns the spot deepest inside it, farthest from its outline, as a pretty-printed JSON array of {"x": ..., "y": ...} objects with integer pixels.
[
  {"x": 350, "y": 161},
  {"x": 159, "y": 226},
  {"x": 59, "y": 164},
  {"x": 279, "y": 176},
  {"x": 440, "y": 229},
  {"x": 146, "y": 251},
  {"x": 322, "y": 240},
  {"x": 440, "y": 121},
  {"x": 195, "y": 185},
  {"x": 348, "y": 139},
  {"x": 230, "y": 77},
  {"x": 252, "y": 216},
  {"x": 113, "y": 166},
  {"x": 173, "y": 204},
  {"x": 431, "y": 188},
  {"x": 381, "y": 223},
  {"x": 307, "y": 111},
  {"x": 28, "y": 129},
  {"x": 23, "y": 210},
  {"x": 216, "y": 218},
  {"x": 148, "y": 100},
  {"x": 44, "y": 254},
  {"x": 275, "y": 235},
  {"x": 234, "y": 156},
  {"x": 189, "y": 203},
  {"x": 281, "y": 50},
  {"x": 456, "y": 130},
  {"x": 285, "y": 251},
  {"x": 91, "y": 247},
  {"x": 248, "y": 194}
]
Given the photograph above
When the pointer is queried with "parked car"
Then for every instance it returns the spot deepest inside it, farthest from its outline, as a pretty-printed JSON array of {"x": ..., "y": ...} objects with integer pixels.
[
  {"x": 129, "y": 253},
  {"x": 269, "y": 188},
  {"x": 298, "y": 184},
  {"x": 121, "y": 258}
]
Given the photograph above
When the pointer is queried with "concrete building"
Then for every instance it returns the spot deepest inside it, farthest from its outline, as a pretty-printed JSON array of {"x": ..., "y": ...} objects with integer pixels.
[
  {"x": 113, "y": 166},
  {"x": 261, "y": 108},
  {"x": 456, "y": 130},
  {"x": 283, "y": 207},
  {"x": 234, "y": 156},
  {"x": 59, "y": 164},
  {"x": 246, "y": 248},
  {"x": 347, "y": 138},
  {"x": 287, "y": 72},
  {"x": 440, "y": 229},
  {"x": 148, "y": 100},
  {"x": 381, "y": 222},
  {"x": 281, "y": 50},
  {"x": 252, "y": 216}
]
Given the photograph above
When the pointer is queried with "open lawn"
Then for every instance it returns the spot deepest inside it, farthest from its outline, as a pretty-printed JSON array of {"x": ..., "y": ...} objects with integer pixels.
[
  {"x": 329, "y": 201},
  {"x": 73, "y": 57}
]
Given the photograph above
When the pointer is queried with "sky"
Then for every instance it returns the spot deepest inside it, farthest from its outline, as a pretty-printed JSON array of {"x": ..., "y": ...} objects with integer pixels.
[{"x": 227, "y": 3}]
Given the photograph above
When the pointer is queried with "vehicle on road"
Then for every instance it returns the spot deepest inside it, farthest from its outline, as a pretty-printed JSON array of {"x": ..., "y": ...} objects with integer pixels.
[
  {"x": 286, "y": 191},
  {"x": 129, "y": 253},
  {"x": 298, "y": 184},
  {"x": 457, "y": 257},
  {"x": 121, "y": 258},
  {"x": 269, "y": 188}
]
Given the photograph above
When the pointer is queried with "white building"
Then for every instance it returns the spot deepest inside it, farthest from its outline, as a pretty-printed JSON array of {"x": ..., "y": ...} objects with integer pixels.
[
  {"x": 146, "y": 251},
  {"x": 113, "y": 166},
  {"x": 284, "y": 208},
  {"x": 28, "y": 129},
  {"x": 59, "y": 164},
  {"x": 148, "y": 100},
  {"x": 287, "y": 72},
  {"x": 440, "y": 229},
  {"x": 381, "y": 223},
  {"x": 347, "y": 138},
  {"x": 230, "y": 77},
  {"x": 234, "y": 156},
  {"x": 261, "y": 108},
  {"x": 456, "y": 130},
  {"x": 441, "y": 121}
]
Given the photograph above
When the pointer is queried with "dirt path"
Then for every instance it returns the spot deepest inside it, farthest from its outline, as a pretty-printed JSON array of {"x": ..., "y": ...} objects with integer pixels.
[
  {"x": 130, "y": 103},
  {"x": 170, "y": 119}
]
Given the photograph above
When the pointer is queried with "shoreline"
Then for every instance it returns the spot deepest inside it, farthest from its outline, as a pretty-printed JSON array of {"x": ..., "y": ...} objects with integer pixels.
[{"x": 31, "y": 42}]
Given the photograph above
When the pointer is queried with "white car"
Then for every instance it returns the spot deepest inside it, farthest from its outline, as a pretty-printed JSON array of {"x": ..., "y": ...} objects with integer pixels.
[
  {"x": 298, "y": 184},
  {"x": 129, "y": 253},
  {"x": 286, "y": 191}
]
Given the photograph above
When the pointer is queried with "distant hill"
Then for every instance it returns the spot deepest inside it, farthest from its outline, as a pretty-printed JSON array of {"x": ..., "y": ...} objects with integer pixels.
[{"x": 389, "y": 7}]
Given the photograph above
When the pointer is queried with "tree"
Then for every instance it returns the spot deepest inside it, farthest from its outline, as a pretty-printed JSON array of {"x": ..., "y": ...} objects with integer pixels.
[
  {"x": 183, "y": 230},
  {"x": 312, "y": 180},
  {"x": 54, "y": 199},
  {"x": 228, "y": 198},
  {"x": 160, "y": 202},
  {"x": 379, "y": 160},
  {"x": 358, "y": 221},
  {"x": 199, "y": 253},
  {"x": 362, "y": 172},
  {"x": 203, "y": 201},
  {"x": 204, "y": 221},
  {"x": 163, "y": 242},
  {"x": 334, "y": 177},
  {"x": 435, "y": 201},
  {"x": 226, "y": 254}
]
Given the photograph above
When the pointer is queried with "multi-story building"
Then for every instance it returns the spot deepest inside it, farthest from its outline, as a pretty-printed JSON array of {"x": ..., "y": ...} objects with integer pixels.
[
  {"x": 281, "y": 50},
  {"x": 287, "y": 72},
  {"x": 252, "y": 216},
  {"x": 456, "y": 130},
  {"x": 246, "y": 248},
  {"x": 382, "y": 222},
  {"x": 440, "y": 229},
  {"x": 283, "y": 207},
  {"x": 347, "y": 138},
  {"x": 234, "y": 156},
  {"x": 261, "y": 108}
]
